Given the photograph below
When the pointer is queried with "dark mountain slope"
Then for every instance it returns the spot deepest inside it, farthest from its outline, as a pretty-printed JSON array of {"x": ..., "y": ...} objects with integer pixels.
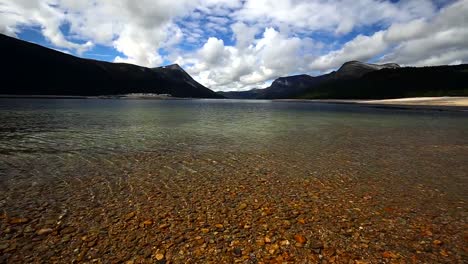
[
  {"x": 32, "y": 69},
  {"x": 250, "y": 94},
  {"x": 357, "y": 80},
  {"x": 357, "y": 69},
  {"x": 281, "y": 88},
  {"x": 396, "y": 83},
  {"x": 285, "y": 87}
]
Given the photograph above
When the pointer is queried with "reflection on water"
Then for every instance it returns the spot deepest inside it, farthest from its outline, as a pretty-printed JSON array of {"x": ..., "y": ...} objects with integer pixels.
[
  {"x": 57, "y": 135},
  {"x": 34, "y": 129},
  {"x": 109, "y": 126},
  {"x": 57, "y": 155}
]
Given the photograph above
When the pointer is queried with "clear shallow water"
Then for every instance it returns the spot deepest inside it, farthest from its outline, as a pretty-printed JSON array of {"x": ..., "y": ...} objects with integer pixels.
[
  {"x": 58, "y": 126},
  {"x": 57, "y": 136},
  {"x": 65, "y": 153},
  {"x": 30, "y": 129}
]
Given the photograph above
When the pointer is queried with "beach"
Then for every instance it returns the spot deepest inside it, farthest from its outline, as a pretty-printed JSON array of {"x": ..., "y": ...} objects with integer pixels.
[{"x": 449, "y": 103}]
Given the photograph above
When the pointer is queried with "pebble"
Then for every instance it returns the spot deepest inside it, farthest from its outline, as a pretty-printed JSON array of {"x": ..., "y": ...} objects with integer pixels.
[
  {"x": 28, "y": 229},
  {"x": 129, "y": 216},
  {"x": 242, "y": 206},
  {"x": 444, "y": 253},
  {"x": 164, "y": 226},
  {"x": 66, "y": 238},
  {"x": 180, "y": 239},
  {"x": 316, "y": 244},
  {"x": 389, "y": 254},
  {"x": 44, "y": 231},
  {"x": 260, "y": 242},
  {"x": 300, "y": 239},
  {"x": 147, "y": 222},
  {"x": 159, "y": 256},
  {"x": 237, "y": 252},
  {"x": 68, "y": 230},
  {"x": 4, "y": 246},
  {"x": 18, "y": 220}
]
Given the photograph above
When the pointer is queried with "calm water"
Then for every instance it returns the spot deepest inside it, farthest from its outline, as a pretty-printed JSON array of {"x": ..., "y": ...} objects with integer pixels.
[
  {"x": 99, "y": 168},
  {"x": 53, "y": 135},
  {"x": 57, "y": 134}
]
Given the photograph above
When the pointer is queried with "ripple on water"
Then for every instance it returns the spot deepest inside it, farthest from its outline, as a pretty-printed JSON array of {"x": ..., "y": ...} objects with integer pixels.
[{"x": 218, "y": 181}]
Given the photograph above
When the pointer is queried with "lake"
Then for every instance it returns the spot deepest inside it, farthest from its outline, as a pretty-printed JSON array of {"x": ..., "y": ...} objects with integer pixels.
[{"x": 230, "y": 181}]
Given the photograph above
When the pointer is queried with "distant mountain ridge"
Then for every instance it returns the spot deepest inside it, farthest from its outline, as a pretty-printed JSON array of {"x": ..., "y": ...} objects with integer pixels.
[
  {"x": 358, "y": 80},
  {"x": 357, "y": 69},
  {"x": 30, "y": 69}
]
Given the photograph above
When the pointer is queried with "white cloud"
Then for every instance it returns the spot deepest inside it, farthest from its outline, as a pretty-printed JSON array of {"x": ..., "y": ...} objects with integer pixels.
[
  {"x": 250, "y": 63},
  {"x": 340, "y": 16},
  {"x": 439, "y": 40},
  {"x": 361, "y": 48},
  {"x": 38, "y": 13},
  {"x": 442, "y": 40}
]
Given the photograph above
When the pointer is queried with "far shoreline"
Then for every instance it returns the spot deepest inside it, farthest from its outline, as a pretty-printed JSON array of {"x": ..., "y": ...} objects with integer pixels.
[
  {"x": 120, "y": 97},
  {"x": 443, "y": 103}
]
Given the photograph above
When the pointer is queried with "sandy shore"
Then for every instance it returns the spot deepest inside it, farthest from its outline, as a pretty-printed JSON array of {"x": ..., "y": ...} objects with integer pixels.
[
  {"x": 446, "y": 103},
  {"x": 429, "y": 101},
  {"x": 414, "y": 103}
]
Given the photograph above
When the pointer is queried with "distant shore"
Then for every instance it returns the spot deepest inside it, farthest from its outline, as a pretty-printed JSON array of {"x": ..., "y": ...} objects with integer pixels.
[
  {"x": 446, "y": 103},
  {"x": 92, "y": 97}
]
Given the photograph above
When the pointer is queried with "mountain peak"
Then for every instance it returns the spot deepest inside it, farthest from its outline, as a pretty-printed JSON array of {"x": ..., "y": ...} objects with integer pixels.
[
  {"x": 51, "y": 72},
  {"x": 356, "y": 69},
  {"x": 174, "y": 66}
]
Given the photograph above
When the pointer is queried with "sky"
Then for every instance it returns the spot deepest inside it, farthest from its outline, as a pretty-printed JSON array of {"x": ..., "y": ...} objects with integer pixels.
[{"x": 238, "y": 45}]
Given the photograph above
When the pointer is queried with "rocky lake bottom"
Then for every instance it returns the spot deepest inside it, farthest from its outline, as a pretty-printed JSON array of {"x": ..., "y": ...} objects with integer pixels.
[{"x": 380, "y": 191}]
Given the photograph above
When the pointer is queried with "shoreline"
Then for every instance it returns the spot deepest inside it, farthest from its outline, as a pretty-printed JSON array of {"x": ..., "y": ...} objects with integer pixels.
[
  {"x": 446, "y": 103},
  {"x": 121, "y": 97}
]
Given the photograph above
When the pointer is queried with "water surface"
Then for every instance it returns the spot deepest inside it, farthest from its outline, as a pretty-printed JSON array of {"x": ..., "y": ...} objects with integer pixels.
[{"x": 62, "y": 155}]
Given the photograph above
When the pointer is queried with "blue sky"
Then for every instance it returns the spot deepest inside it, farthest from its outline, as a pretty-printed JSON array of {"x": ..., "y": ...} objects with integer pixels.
[{"x": 244, "y": 44}]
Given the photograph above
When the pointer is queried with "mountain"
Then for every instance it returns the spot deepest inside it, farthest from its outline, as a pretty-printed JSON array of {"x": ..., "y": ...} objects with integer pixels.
[
  {"x": 30, "y": 69},
  {"x": 250, "y": 94},
  {"x": 358, "y": 80},
  {"x": 281, "y": 88},
  {"x": 357, "y": 69},
  {"x": 288, "y": 87},
  {"x": 390, "y": 83}
]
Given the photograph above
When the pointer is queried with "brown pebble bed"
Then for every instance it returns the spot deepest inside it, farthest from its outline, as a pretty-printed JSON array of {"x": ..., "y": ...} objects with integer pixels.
[{"x": 239, "y": 207}]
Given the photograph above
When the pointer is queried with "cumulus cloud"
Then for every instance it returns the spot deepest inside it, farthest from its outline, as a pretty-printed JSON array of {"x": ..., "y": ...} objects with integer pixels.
[
  {"x": 361, "y": 48},
  {"x": 38, "y": 13},
  {"x": 242, "y": 44},
  {"x": 438, "y": 40},
  {"x": 340, "y": 16},
  {"x": 249, "y": 63},
  {"x": 441, "y": 40}
]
